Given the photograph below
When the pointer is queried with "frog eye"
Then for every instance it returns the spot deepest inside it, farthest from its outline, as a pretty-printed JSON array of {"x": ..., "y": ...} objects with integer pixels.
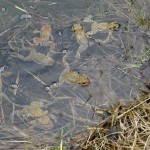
[
  {"x": 74, "y": 27},
  {"x": 86, "y": 82},
  {"x": 65, "y": 51},
  {"x": 116, "y": 25}
]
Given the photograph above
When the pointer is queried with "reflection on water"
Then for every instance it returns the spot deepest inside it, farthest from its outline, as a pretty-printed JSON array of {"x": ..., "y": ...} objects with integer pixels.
[{"x": 34, "y": 68}]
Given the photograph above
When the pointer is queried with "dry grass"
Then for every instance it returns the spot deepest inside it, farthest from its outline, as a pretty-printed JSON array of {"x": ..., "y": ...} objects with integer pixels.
[{"x": 127, "y": 127}]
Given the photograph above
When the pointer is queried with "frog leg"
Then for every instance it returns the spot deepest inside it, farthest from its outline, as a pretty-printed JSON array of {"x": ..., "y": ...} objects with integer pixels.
[
  {"x": 81, "y": 49},
  {"x": 65, "y": 63},
  {"x": 21, "y": 57},
  {"x": 52, "y": 47},
  {"x": 21, "y": 117},
  {"x": 32, "y": 50},
  {"x": 77, "y": 55},
  {"x": 51, "y": 38},
  {"x": 109, "y": 37},
  {"x": 29, "y": 57},
  {"x": 88, "y": 19},
  {"x": 36, "y": 41},
  {"x": 96, "y": 27},
  {"x": 24, "y": 47},
  {"x": 51, "y": 87},
  {"x": 82, "y": 39},
  {"x": 90, "y": 33},
  {"x": 61, "y": 80},
  {"x": 55, "y": 85}
]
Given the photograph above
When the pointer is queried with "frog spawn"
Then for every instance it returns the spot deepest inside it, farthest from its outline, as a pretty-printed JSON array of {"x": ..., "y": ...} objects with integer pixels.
[{"x": 34, "y": 115}]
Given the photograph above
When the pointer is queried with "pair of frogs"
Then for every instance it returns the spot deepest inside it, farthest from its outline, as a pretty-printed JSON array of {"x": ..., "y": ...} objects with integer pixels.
[
  {"x": 82, "y": 37},
  {"x": 34, "y": 115},
  {"x": 45, "y": 39}
]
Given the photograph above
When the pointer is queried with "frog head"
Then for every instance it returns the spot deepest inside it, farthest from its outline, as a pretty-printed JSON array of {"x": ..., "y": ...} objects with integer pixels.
[
  {"x": 113, "y": 25},
  {"x": 84, "y": 80},
  {"x": 77, "y": 27}
]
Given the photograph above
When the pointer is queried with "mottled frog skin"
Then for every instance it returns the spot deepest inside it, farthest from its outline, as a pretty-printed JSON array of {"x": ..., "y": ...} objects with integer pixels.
[
  {"x": 35, "y": 115},
  {"x": 81, "y": 39},
  {"x": 73, "y": 77},
  {"x": 46, "y": 38},
  {"x": 80, "y": 34},
  {"x": 97, "y": 27},
  {"x": 70, "y": 77},
  {"x": 38, "y": 58},
  {"x": 35, "y": 56}
]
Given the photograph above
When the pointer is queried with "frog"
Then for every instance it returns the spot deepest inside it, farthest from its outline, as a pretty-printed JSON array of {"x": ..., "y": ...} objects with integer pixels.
[
  {"x": 46, "y": 38},
  {"x": 69, "y": 76},
  {"x": 97, "y": 27},
  {"x": 82, "y": 36},
  {"x": 34, "y": 114},
  {"x": 81, "y": 39},
  {"x": 35, "y": 56}
]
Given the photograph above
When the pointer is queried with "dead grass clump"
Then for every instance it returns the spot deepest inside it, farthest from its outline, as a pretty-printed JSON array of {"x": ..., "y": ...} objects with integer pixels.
[{"x": 127, "y": 127}]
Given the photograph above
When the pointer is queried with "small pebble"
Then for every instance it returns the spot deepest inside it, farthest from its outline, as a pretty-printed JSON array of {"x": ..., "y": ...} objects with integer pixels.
[
  {"x": 2, "y": 69},
  {"x": 25, "y": 16},
  {"x": 60, "y": 33},
  {"x": 65, "y": 51},
  {"x": 3, "y": 9}
]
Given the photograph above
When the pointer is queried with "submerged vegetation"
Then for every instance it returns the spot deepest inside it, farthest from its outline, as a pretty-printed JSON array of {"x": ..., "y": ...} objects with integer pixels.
[
  {"x": 75, "y": 81},
  {"x": 128, "y": 127}
]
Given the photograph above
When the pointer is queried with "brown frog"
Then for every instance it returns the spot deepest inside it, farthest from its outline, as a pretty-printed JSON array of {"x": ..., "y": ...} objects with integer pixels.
[
  {"x": 33, "y": 114},
  {"x": 35, "y": 56},
  {"x": 73, "y": 77},
  {"x": 70, "y": 77},
  {"x": 80, "y": 34},
  {"x": 97, "y": 27},
  {"x": 81, "y": 38},
  {"x": 46, "y": 38}
]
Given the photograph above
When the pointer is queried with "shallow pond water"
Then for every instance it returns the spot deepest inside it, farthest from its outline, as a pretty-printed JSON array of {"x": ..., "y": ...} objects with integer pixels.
[{"x": 116, "y": 61}]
